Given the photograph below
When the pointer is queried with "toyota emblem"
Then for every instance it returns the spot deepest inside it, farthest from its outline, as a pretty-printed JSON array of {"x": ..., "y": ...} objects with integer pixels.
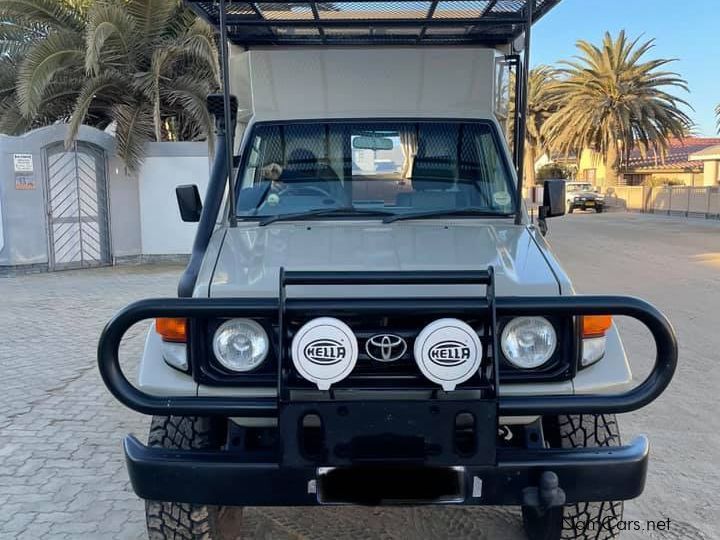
[{"x": 385, "y": 347}]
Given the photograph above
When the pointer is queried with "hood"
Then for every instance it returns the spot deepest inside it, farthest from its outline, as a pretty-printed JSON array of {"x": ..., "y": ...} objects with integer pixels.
[{"x": 250, "y": 258}]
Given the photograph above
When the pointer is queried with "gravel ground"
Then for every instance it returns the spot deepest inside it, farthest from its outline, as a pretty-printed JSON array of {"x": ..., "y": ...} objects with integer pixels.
[{"x": 61, "y": 468}]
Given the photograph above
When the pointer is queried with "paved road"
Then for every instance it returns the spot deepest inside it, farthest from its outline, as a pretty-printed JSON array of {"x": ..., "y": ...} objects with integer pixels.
[{"x": 61, "y": 470}]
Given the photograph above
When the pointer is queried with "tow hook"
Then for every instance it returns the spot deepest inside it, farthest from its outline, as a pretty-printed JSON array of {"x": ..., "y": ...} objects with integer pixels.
[{"x": 548, "y": 495}]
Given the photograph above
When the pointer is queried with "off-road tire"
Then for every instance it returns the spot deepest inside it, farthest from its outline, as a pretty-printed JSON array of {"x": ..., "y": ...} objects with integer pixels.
[
  {"x": 166, "y": 520},
  {"x": 582, "y": 521}
]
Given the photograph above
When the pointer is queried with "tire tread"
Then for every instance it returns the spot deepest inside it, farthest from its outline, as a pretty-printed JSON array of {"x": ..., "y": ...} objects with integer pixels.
[
  {"x": 584, "y": 431},
  {"x": 181, "y": 521}
]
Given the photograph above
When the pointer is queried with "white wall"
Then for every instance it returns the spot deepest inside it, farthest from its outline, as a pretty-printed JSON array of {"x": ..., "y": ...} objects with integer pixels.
[
  {"x": 124, "y": 205},
  {"x": 166, "y": 166}
]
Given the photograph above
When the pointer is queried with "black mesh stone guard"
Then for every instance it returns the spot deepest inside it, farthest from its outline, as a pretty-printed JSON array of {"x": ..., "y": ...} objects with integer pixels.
[{"x": 636, "y": 398}]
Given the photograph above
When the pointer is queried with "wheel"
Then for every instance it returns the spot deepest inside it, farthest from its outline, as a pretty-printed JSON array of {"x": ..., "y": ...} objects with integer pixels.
[
  {"x": 570, "y": 210},
  {"x": 582, "y": 521},
  {"x": 166, "y": 520},
  {"x": 599, "y": 209}
]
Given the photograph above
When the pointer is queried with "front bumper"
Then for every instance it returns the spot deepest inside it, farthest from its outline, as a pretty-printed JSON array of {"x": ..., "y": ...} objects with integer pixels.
[
  {"x": 382, "y": 444},
  {"x": 587, "y": 205},
  {"x": 216, "y": 478}
]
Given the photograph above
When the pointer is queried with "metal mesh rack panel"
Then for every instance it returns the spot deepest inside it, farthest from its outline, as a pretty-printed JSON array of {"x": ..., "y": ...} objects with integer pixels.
[{"x": 374, "y": 22}]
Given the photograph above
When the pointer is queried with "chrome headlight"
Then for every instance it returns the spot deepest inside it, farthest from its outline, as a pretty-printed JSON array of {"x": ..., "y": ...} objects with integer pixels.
[
  {"x": 240, "y": 344},
  {"x": 528, "y": 342}
]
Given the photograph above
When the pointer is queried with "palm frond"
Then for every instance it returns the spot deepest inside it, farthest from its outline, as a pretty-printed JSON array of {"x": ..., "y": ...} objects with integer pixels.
[
  {"x": 134, "y": 129},
  {"x": 48, "y": 13},
  {"x": 110, "y": 36},
  {"x": 152, "y": 16},
  {"x": 108, "y": 86},
  {"x": 12, "y": 121},
  {"x": 57, "y": 52},
  {"x": 8, "y": 75},
  {"x": 197, "y": 43},
  {"x": 188, "y": 94}
]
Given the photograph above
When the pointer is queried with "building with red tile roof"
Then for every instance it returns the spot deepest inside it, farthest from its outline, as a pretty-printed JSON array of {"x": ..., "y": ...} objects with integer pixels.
[{"x": 682, "y": 163}]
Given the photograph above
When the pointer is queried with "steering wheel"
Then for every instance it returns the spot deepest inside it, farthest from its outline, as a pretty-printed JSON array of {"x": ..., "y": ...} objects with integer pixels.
[{"x": 312, "y": 189}]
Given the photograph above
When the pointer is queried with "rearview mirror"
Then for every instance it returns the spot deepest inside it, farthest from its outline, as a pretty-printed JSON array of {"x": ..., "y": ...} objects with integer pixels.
[
  {"x": 189, "y": 203},
  {"x": 372, "y": 143},
  {"x": 553, "y": 198}
]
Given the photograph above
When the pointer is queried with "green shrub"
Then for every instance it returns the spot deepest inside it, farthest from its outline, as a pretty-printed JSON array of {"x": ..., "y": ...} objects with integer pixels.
[{"x": 551, "y": 171}]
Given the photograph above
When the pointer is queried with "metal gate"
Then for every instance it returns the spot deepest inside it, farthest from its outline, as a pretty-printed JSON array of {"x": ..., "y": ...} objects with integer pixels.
[{"x": 77, "y": 206}]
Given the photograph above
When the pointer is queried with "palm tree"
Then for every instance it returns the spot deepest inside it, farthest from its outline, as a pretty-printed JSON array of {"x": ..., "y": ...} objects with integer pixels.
[
  {"x": 29, "y": 28},
  {"x": 145, "y": 66},
  {"x": 611, "y": 102},
  {"x": 542, "y": 103}
]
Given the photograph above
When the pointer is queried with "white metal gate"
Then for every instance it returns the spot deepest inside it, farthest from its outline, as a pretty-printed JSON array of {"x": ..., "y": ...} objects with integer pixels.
[{"x": 77, "y": 206}]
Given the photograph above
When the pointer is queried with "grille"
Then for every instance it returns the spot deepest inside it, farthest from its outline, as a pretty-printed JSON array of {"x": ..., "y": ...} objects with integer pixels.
[
  {"x": 373, "y": 374},
  {"x": 401, "y": 373}
]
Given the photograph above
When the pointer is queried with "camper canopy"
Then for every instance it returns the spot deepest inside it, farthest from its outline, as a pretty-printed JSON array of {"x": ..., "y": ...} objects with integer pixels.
[{"x": 490, "y": 23}]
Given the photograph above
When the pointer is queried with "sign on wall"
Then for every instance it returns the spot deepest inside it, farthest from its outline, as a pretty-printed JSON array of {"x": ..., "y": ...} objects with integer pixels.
[
  {"x": 23, "y": 163},
  {"x": 24, "y": 171},
  {"x": 24, "y": 182}
]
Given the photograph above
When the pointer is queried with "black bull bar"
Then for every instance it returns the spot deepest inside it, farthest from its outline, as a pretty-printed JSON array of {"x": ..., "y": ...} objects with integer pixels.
[
  {"x": 641, "y": 395},
  {"x": 198, "y": 477}
]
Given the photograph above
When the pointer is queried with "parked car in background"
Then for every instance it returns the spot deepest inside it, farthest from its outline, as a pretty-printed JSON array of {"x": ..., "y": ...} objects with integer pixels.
[{"x": 583, "y": 196}]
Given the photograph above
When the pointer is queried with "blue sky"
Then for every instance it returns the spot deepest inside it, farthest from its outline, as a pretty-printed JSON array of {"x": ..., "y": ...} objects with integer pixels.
[{"x": 684, "y": 29}]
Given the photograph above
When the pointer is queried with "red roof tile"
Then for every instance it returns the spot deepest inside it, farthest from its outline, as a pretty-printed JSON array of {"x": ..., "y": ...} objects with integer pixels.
[{"x": 676, "y": 157}]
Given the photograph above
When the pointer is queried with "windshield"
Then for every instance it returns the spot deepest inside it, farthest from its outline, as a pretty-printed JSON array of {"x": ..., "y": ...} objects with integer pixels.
[
  {"x": 373, "y": 169},
  {"x": 579, "y": 187}
]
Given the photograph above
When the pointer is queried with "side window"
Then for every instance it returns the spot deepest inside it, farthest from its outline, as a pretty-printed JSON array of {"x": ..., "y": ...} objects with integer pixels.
[
  {"x": 482, "y": 165},
  {"x": 250, "y": 176}
]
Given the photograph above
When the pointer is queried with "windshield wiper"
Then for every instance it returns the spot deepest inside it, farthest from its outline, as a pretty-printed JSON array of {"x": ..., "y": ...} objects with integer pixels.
[
  {"x": 469, "y": 211},
  {"x": 321, "y": 212}
]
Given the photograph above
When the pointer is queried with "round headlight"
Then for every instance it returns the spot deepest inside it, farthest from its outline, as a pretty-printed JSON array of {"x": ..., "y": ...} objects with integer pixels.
[
  {"x": 528, "y": 342},
  {"x": 240, "y": 344}
]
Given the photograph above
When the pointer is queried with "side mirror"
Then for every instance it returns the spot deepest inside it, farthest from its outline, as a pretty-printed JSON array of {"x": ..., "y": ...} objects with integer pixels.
[
  {"x": 553, "y": 203},
  {"x": 553, "y": 198},
  {"x": 189, "y": 203}
]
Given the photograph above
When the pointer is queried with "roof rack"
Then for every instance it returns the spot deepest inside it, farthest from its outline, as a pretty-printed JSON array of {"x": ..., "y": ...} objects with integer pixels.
[{"x": 373, "y": 22}]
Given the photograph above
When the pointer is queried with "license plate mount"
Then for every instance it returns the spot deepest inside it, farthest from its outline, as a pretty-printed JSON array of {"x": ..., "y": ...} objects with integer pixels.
[{"x": 441, "y": 433}]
